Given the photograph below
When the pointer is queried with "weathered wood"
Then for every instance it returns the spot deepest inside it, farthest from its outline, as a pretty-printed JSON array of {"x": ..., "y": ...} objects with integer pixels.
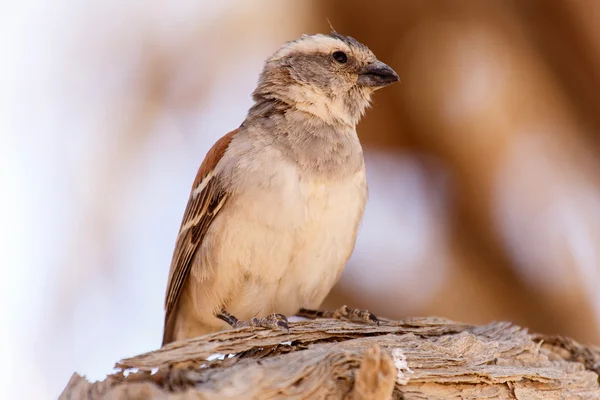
[{"x": 428, "y": 358}]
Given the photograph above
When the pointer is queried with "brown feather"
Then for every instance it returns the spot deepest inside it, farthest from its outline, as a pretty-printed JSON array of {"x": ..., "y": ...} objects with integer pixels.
[{"x": 200, "y": 211}]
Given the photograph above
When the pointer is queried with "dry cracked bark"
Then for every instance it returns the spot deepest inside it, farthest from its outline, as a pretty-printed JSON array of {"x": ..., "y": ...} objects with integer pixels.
[{"x": 421, "y": 358}]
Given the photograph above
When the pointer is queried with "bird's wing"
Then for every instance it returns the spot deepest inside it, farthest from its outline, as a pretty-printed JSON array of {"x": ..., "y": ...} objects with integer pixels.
[{"x": 206, "y": 200}]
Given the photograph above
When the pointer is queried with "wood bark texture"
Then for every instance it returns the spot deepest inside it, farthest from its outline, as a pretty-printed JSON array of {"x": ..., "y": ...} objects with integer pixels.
[{"x": 421, "y": 358}]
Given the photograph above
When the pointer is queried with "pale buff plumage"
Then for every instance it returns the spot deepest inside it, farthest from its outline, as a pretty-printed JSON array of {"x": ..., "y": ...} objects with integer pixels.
[{"x": 275, "y": 208}]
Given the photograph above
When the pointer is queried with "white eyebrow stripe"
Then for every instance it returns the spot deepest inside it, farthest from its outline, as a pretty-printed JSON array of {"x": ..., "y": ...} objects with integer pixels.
[{"x": 313, "y": 44}]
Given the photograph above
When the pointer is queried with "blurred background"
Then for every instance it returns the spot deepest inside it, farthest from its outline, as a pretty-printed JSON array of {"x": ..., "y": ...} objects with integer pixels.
[{"x": 482, "y": 164}]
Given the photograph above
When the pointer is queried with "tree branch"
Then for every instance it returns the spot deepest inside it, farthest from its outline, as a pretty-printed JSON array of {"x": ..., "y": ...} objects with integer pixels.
[{"x": 426, "y": 358}]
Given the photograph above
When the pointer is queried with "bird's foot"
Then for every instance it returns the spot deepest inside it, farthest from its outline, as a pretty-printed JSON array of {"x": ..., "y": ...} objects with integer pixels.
[
  {"x": 343, "y": 313},
  {"x": 275, "y": 322}
]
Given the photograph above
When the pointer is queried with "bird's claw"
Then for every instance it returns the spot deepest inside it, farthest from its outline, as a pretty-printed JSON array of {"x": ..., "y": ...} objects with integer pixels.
[
  {"x": 276, "y": 322},
  {"x": 342, "y": 313},
  {"x": 355, "y": 314},
  {"x": 273, "y": 321}
]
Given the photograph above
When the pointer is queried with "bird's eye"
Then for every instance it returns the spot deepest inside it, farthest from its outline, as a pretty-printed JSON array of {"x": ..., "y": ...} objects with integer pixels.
[{"x": 340, "y": 57}]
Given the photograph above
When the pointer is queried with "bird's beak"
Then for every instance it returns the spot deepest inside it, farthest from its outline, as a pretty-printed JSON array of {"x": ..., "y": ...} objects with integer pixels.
[{"x": 377, "y": 75}]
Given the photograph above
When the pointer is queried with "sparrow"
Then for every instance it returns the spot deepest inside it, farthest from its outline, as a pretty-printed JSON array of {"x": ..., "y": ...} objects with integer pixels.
[{"x": 274, "y": 210}]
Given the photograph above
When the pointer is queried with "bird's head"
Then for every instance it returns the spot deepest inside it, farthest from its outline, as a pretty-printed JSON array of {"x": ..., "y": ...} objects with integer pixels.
[{"x": 330, "y": 76}]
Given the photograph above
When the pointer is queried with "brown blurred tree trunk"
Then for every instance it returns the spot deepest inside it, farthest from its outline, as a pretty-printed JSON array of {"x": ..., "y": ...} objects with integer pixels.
[{"x": 429, "y": 43}]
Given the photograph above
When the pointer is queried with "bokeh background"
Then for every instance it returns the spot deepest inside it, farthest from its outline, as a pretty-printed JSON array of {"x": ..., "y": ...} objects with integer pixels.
[{"x": 483, "y": 163}]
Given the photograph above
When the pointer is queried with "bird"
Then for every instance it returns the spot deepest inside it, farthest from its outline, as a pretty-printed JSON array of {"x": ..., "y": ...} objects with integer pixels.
[{"x": 274, "y": 210}]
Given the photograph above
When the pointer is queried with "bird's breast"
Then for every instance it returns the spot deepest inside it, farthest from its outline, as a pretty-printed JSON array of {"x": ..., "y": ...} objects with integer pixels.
[
  {"x": 286, "y": 238},
  {"x": 300, "y": 203},
  {"x": 303, "y": 233},
  {"x": 325, "y": 238}
]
